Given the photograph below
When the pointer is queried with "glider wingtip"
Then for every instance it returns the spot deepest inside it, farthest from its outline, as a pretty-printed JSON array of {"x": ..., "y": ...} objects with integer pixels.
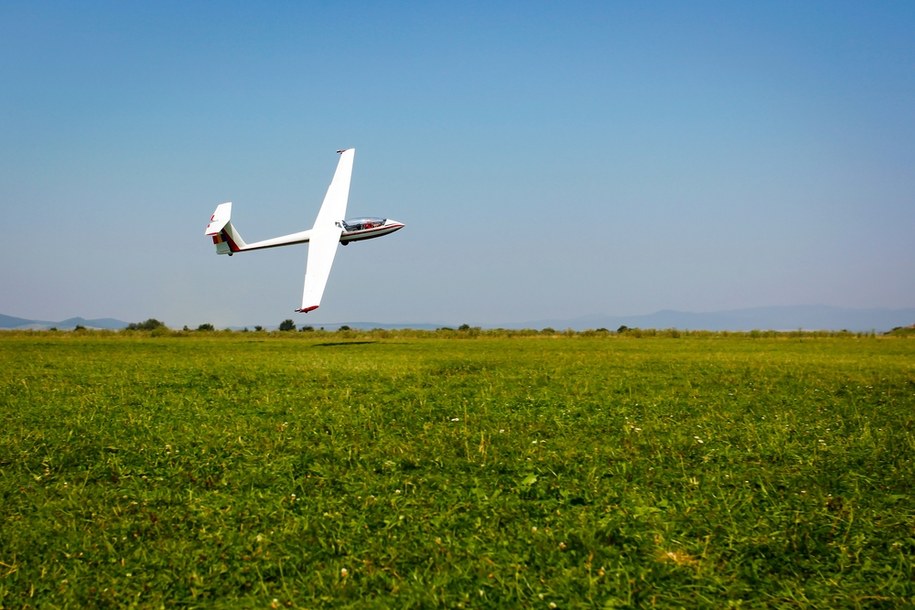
[{"x": 306, "y": 309}]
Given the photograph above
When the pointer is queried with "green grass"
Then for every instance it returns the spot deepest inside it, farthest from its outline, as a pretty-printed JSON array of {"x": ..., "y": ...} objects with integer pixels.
[{"x": 456, "y": 470}]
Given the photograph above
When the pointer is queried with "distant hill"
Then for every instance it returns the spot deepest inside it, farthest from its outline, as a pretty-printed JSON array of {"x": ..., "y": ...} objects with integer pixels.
[
  {"x": 804, "y": 317},
  {"x": 801, "y": 317},
  {"x": 14, "y": 323}
]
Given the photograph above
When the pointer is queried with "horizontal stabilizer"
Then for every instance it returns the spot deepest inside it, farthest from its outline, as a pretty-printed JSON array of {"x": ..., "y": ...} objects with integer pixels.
[
  {"x": 225, "y": 237},
  {"x": 218, "y": 220}
]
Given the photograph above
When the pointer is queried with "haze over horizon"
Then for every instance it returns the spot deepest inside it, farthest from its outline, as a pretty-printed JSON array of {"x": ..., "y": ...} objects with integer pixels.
[{"x": 549, "y": 161}]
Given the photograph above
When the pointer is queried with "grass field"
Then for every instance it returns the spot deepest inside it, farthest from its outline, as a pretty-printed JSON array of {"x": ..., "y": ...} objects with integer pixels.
[{"x": 477, "y": 470}]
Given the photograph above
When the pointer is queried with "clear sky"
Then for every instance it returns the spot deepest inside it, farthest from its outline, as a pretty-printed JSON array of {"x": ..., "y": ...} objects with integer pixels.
[{"x": 550, "y": 159}]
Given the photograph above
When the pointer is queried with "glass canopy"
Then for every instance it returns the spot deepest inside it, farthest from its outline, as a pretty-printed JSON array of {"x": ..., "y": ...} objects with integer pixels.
[{"x": 361, "y": 224}]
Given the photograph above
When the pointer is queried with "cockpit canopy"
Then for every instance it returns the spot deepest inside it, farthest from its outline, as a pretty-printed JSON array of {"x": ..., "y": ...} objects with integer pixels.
[{"x": 361, "y": 224}]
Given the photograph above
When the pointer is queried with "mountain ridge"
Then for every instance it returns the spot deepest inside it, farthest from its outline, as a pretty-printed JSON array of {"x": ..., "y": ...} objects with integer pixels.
[
  {"x": 15, "y": 323},
  {"x": 781, "y": 317}
]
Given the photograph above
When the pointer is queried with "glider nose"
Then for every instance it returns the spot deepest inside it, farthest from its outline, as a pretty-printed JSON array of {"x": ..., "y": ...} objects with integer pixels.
[{"x": 395, "y": 224}]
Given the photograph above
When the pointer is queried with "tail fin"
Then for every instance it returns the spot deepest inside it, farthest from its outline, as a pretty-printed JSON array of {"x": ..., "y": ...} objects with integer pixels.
[{"x": 224, "y": 235}]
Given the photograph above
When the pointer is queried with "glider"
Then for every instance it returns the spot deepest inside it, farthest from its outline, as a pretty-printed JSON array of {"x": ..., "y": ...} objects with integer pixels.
[{"x": 329, "y": 229}]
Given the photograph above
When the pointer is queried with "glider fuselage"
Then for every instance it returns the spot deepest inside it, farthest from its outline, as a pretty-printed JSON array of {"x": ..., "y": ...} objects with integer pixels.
[{"x": 353, "y": 230}]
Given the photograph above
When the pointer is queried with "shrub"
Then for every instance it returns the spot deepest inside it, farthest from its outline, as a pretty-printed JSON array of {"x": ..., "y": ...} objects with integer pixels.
[{"x": 150, "y": 324}]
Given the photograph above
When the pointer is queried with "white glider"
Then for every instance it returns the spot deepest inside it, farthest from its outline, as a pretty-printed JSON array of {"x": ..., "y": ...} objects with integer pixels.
[{"x": 329, "y": 229}]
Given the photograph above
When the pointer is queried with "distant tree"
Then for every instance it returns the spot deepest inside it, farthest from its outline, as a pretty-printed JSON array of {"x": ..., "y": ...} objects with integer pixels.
[
  {"x": 307, "y": 329},
  {"x": 258, "y": 329},
  {"x": 150, "y": 324},
  {"x": 344, "y": 327},
  {"x": 287, "y": 325},
  {"x": 464, "y": 327},
  {"x": 205, "y": 326},
  {"x": 622, "y": 329},
  {"x": 79, "y": 327}
]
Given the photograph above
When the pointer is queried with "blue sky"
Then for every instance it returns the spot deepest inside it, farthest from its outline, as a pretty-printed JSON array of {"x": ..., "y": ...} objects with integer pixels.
[{"x": 550, "y": 160}]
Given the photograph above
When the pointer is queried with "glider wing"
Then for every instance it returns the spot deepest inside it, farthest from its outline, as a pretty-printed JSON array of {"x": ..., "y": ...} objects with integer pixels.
[
  {"x": 321, "y": 252},
  {"x": 325, "y": 235}
]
